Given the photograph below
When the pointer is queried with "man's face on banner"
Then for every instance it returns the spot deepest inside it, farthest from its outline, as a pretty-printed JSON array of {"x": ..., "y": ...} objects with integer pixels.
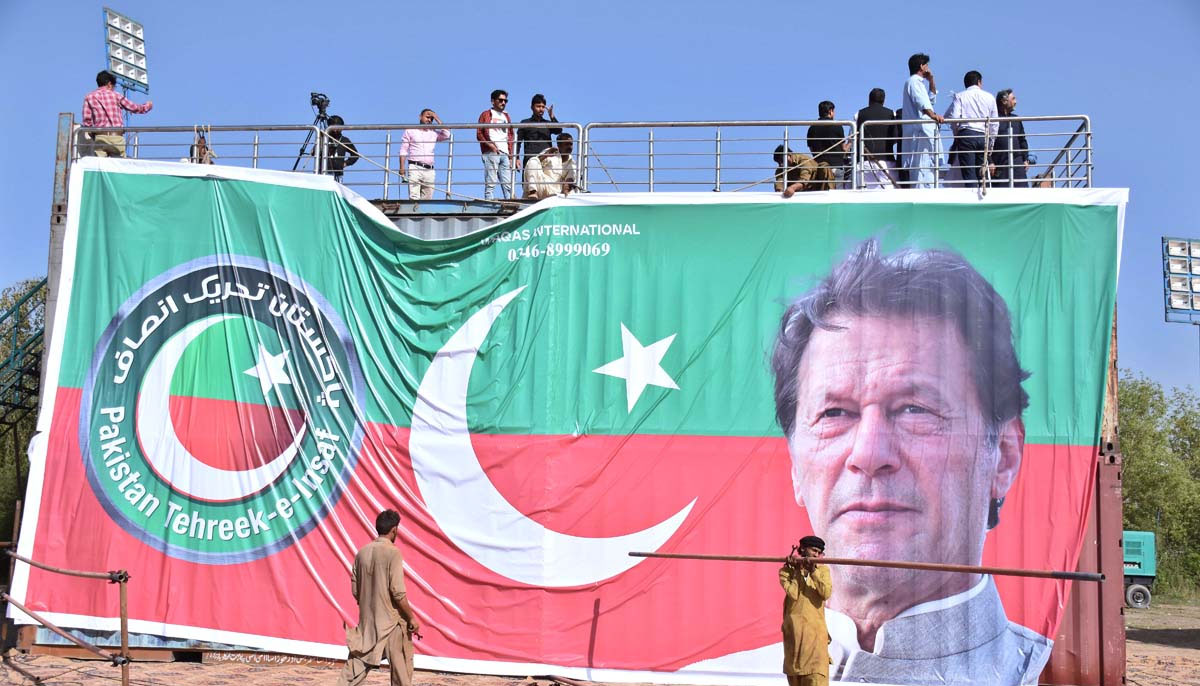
[{"x": 890, "y": 452}]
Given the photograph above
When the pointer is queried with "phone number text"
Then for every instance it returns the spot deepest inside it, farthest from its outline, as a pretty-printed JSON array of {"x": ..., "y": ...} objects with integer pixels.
[{"x": 560, "y": 250}]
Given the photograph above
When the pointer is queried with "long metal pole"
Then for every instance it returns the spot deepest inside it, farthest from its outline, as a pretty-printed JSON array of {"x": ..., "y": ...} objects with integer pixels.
[
  {"x": 115, "y": 659},
  {"x": 107, "y": 576},
  {"x": 12, "y": 664},
  {"x": 124, "y": 632},
  {"x": 895, "y": 564}
]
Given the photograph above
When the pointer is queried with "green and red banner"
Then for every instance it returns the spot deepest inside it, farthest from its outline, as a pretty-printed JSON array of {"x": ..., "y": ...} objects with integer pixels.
[{"x": 248, "y": 366}]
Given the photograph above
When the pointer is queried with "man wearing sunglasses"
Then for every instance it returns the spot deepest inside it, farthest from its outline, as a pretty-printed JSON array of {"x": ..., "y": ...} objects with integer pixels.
[{"x": 497, "y": 147}]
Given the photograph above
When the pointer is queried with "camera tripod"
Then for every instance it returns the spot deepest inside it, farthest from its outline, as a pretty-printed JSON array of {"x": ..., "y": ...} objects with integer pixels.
[{"x": 321, "y": 122}]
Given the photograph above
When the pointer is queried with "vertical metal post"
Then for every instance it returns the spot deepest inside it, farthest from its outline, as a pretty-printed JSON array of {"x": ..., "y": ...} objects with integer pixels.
[
  {"x": 583, "y": 158},
  {"x": 124, "y": 632},
  {"x": 855, "y": 161},
  {"x": 650, "y": 165},
  {"x": 318, "y": 150},
  {"x": 717, "y": 188},
  {"x": 1087, "y": 141},
  {"x": 16, "y": 536},
  {"x": 936, "y": 156},
  {"x": 17, "y": 457},
  {"x": 449, "y": 166},
  {"x": 785, "y": 166},
  {"x": 387, "y": 162},
  {"x": 254, "y": 152}
]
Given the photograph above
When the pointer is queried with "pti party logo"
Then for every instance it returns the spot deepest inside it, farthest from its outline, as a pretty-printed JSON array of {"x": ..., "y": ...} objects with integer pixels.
[{"x": 219, "y": 419}]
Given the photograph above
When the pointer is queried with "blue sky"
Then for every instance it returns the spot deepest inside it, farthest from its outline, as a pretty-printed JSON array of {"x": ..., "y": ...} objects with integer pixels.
[{"x": 1130, "y": 69}]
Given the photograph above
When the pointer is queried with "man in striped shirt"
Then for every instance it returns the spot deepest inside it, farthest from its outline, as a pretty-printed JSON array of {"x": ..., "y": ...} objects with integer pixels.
[{"x": 102, "y": 109}]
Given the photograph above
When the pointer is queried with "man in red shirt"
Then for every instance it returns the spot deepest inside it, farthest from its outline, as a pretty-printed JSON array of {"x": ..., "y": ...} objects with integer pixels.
[{"x": 102, "y": 109}]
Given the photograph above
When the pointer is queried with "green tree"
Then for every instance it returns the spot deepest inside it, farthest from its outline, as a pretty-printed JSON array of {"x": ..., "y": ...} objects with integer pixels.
[{"x": 1160, "y": 446}]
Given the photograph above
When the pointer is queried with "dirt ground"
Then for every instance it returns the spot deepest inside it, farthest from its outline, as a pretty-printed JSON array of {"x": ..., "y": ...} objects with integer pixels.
[
  {"x": 1162, "y": 645},
  {"x": 1162, "y": 648}
]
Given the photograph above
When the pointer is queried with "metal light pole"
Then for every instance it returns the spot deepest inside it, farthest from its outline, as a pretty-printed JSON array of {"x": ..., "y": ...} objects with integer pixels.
[{"x": 125, "y": 52}]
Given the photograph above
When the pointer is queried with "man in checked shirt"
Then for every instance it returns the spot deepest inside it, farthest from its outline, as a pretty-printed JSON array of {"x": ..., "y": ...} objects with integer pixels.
[{"x": 102, "y": 108}]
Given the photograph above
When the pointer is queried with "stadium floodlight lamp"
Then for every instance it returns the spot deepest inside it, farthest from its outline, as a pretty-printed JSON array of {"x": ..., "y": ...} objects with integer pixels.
[
  {"x": 125, "y": 51},
  {"x": 1181, "y": 280}
]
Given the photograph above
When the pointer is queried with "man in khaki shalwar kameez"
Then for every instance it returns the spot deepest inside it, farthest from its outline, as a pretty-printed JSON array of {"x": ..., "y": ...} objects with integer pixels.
[
  {"x": 386, "y": 622},
  {"x": 805, "y": 637}
]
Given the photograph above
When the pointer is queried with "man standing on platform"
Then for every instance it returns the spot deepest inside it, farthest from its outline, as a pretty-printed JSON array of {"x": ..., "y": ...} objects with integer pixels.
[
  {"x": 416, "y": 156},
  {"x": 497, "y": 147},
  {"x": 386, "y": 622},
  {"x": 102, "y": 109},
  {"x": 828, "y": 143},
  {"x": 918, "y": 146},
  {"x": 879, "y": 140},
  {"x": 1010, "y": 151},
  {"x": 805, "y": 638},
  {"x": 339, "y": 149},
  {"x": 531, "y": 141},
  {"x": 973, "y": 103}
]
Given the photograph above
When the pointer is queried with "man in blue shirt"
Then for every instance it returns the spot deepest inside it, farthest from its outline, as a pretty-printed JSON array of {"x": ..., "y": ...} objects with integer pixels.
[{"x": 918, "y": 146}]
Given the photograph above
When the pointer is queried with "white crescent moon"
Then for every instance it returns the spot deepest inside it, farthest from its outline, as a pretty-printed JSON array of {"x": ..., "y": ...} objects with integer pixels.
[
  {"x": 467, "y": 506},
  {"x": 161, "y": 445}
]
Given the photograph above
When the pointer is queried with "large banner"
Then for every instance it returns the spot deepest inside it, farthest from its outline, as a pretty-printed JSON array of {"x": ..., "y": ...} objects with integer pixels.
[{"x": 248, "y": 366}]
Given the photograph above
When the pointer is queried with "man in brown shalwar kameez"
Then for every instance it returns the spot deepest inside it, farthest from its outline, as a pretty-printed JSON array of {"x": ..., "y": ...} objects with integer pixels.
[
  {"x": 386, "y": 622},
  {"x": 805, "y": 637}
]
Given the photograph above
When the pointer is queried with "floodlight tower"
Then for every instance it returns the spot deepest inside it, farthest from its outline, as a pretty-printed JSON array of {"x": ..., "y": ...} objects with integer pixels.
[
  {"x": 1181, "y": 280},
  {"x": 125, "y": 52}
]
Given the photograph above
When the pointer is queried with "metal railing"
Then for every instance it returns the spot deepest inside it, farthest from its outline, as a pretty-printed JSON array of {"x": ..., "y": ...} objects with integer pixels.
[
  {"x": 705, "y": 155},
  {"x": 458, "y": 163},
  {"x": 375, "y": 172},
  {"x": 1011, "y": 158},
  {"x": 631, "y": 156},
  {"x": 119, "y": 577}
]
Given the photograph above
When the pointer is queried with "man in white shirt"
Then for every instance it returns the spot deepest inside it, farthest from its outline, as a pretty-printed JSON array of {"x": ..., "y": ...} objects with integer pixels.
[
  {"x": 567, "y": 177},
  {"x": 552, "y": 171},
  {"x": 969, "y": 143},
  {"x": 498, "y": 147},
  {"x": 542, "y": 174}
]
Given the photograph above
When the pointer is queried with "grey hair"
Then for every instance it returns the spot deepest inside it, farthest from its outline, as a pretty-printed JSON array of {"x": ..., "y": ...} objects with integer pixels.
[{"x": 909, "y": 282}]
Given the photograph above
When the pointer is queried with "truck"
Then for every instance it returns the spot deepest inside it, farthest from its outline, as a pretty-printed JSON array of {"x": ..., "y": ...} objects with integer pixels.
[{"x": 1140, "y": 568}]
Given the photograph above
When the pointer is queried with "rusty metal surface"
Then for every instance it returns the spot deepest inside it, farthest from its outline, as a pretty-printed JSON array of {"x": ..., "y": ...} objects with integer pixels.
[{"x": 1089, "y": 649}]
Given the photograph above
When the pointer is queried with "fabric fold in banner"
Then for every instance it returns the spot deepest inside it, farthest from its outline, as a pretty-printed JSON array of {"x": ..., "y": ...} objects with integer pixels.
[{"x": 248, "y": 366}]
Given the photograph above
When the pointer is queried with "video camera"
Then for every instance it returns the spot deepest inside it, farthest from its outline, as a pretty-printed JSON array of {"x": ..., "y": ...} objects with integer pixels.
[{"x": 319, "y": 101}]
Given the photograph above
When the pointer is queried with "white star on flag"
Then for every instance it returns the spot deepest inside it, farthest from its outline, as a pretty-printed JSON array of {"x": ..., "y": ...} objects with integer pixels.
[
  {"x": 270, "y": 369},
  {"x": 639, "y": 366}
]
